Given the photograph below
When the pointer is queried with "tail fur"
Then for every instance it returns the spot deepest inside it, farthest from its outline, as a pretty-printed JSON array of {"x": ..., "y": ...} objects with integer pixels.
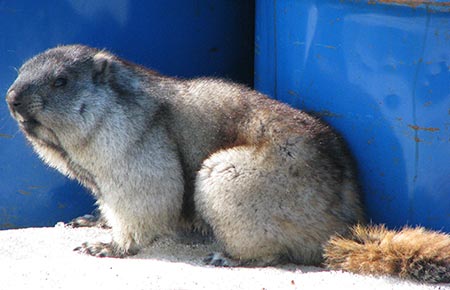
[{"x": 413, "y": 253}]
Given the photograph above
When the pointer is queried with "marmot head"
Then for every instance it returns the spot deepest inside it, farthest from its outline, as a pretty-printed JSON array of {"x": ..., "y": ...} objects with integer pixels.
[{"x": 64, "y": 91}]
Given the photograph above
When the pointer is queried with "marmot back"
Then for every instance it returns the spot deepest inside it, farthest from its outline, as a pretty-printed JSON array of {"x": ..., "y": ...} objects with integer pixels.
[{"x": 162, "y": 155}]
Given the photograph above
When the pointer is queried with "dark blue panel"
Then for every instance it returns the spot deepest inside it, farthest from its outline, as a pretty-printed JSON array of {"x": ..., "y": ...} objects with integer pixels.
[
  {"x": 176, "y": 37},
  {"x": 379, "y": 73}
]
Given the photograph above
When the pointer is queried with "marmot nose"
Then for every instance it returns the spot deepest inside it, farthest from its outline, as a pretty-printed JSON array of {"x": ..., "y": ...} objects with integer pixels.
[{"x": 15, "y": 102}]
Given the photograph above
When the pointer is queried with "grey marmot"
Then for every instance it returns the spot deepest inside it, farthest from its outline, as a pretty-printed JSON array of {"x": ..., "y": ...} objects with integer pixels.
[{"x": 162, "y": 154}]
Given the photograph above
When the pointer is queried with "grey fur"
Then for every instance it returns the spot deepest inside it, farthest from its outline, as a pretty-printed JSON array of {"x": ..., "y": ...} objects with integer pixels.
[{"x": 161, "y": 154}]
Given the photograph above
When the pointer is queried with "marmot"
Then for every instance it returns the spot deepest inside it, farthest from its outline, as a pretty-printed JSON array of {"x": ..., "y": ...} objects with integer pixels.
[{"x": 160, "y": 154}]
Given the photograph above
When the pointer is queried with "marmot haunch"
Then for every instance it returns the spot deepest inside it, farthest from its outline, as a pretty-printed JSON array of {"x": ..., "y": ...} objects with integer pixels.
[{"x": 162, "y": 154}]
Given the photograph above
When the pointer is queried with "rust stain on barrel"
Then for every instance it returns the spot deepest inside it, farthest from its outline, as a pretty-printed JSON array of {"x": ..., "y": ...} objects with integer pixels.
[
  {"x": 412, "y": 3},
  {"x": 429, "y": 129},
  {"x": 24, "y": 192},
  {"x": 7, "y": 136}
]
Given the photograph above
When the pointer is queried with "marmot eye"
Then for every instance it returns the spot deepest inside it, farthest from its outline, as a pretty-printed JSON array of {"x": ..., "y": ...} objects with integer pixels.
[{"x": 60, "y": 82}]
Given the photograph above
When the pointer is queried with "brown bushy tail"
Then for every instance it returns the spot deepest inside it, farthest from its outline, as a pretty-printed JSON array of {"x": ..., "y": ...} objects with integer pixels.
[{"x": 413, "y": 253}]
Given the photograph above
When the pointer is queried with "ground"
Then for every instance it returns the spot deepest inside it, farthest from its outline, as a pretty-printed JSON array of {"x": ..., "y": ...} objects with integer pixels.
[{"x": 42, "y": 258}]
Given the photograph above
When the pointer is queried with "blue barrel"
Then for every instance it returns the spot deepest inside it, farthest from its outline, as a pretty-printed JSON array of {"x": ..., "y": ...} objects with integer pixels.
[
  {"x": 379, "y": 72},
  {"x": 176, "y": 37}
]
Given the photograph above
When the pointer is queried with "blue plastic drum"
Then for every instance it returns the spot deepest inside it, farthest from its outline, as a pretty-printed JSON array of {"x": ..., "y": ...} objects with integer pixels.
[
  {"x": 176, "y": 37},
  {"x": 379, "y": 72}
]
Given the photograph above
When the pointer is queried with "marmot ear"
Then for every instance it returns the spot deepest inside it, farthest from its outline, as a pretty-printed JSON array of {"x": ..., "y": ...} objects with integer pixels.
[{"x": 102, "y": 67}]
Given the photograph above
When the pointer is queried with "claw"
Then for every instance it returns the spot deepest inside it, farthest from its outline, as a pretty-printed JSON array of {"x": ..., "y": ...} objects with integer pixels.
[
  {"x": 88, "y": 220},
  {"x": 101, "y": 250}
]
